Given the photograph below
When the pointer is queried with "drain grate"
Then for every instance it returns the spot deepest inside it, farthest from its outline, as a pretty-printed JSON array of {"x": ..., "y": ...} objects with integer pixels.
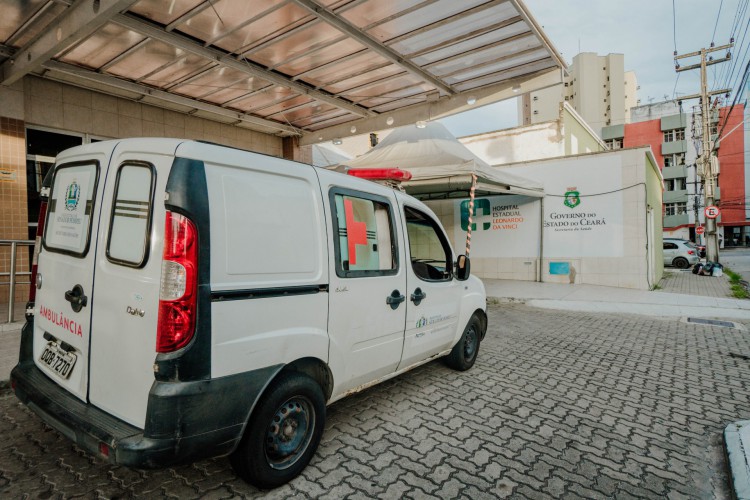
[{"x": 712, "y": 322}]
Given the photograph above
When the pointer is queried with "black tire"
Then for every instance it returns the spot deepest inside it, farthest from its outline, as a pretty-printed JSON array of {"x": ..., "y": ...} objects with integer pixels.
[
  {"x": 283, "y": 432},
  {"x": 465, "y": 352},
  {"x": 681, "y": 262}
]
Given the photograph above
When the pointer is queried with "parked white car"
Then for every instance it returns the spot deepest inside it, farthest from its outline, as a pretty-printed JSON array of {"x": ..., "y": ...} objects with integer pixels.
[
  {"x": 195, "y": 300},
  {"x": 680, "y": 253}
]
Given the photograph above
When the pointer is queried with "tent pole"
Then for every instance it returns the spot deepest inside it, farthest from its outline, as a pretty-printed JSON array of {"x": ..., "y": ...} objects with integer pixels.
[
  {"x": 471, "y": 213},
  {"x": 540, "y": 267}
]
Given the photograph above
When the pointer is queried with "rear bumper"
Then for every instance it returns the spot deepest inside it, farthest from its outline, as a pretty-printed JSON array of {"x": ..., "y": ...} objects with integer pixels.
[{"x": 185, "y": 422}]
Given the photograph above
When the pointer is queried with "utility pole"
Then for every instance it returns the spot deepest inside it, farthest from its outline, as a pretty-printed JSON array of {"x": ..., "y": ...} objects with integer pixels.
[{"x": 708, "y": 166}]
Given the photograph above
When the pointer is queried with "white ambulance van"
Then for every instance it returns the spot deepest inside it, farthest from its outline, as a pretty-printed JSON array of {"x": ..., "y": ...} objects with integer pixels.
[{"x": 194, "y": 300}]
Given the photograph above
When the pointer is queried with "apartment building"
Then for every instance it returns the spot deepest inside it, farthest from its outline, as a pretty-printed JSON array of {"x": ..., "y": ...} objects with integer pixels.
[{"x": 597, "y": 87}]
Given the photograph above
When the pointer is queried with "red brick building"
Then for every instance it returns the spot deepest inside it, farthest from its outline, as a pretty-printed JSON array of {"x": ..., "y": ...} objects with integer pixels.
[{"x": 671, "y": 133}]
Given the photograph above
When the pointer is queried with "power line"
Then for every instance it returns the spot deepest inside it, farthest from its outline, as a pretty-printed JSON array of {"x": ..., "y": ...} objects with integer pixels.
[{"x": 718, "y": 16}]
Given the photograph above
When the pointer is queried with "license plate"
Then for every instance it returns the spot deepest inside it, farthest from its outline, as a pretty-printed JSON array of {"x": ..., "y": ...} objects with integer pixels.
[{"x": 58, "y": 360}]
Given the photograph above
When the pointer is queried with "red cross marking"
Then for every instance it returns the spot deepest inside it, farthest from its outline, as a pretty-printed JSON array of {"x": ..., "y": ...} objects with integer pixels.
[{"x": 356, "y": 232}]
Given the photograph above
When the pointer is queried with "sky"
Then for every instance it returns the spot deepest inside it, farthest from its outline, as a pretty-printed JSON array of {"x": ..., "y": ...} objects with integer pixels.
[{"x": 645, "y": 31}]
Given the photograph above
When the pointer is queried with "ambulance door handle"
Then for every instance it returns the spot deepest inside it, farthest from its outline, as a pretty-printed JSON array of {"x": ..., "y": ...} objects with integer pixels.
[
  {"x": 76, "y": 298},
  {"x": 394, "y": 299},
  {"x": 418, "y": 296}
]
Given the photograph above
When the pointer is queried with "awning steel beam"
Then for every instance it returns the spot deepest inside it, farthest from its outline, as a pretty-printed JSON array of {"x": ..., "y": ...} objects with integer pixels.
[
  {"x": 145, "y": 91},
  {"x": 76, "y": 23},
  {"x": 375, "y": 46},
  {"x": 441, "y": 108}
]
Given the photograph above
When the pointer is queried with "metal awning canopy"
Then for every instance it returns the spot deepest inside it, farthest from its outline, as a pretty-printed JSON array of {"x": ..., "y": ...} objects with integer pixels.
[{"x": 317, "y": 69}]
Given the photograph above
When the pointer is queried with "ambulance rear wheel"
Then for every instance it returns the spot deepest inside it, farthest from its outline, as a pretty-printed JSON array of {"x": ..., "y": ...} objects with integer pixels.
[
  {"x": 283, "y": 432},
  {"x": 465, "y": 352}
]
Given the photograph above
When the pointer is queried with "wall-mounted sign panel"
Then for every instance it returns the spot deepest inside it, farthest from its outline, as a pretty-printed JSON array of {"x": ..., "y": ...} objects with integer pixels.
[{"x": 502, "y": 226}]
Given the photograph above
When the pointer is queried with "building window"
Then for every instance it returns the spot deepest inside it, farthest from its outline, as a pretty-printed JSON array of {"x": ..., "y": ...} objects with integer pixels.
[
  {"x": 676, "y": 184},
  {"x": 674, "y": 160},
  {"x": 677, "y": 134},
  {"x": 675, "y": 208},
  {"x": 614, "y": 143}
]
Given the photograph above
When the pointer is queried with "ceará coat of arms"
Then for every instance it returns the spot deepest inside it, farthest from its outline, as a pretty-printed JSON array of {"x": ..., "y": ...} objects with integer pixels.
[{"x": 572, "y": 197}]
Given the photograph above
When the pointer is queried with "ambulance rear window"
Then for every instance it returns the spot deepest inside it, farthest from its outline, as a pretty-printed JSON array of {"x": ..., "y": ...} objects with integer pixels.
[
  {"x": 130, "y": 222},
  {"x": 71, "y": 204}
]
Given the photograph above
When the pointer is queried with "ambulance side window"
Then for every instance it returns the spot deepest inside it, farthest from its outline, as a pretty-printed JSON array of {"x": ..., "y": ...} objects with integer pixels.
[
  {"x": 429, "y": 251},
  {"x": 364, "y": 236},
  {"x": 130, "y": 222}
]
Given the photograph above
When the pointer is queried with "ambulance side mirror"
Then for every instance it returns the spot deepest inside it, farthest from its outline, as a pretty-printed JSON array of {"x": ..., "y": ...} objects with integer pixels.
[{"x": 463, "y": 268}]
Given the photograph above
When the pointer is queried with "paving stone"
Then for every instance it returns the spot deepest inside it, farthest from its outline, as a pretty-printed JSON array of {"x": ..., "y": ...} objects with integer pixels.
[{"x": 559, "y": 405}]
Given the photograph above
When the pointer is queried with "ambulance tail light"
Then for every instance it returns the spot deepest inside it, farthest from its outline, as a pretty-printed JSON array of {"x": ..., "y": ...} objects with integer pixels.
[
  {"x": 178, "y": 292},
  {"x": 38, "y": 244},
  {"x": 381, "y": 174}
]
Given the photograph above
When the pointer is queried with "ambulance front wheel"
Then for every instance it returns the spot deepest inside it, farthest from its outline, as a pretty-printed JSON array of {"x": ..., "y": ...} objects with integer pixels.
[
  {"x": 283, "y": 432},
  {"x": 465, "y": 352}
]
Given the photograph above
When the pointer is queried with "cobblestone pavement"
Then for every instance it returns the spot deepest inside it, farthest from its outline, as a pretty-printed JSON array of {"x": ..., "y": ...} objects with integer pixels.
[
  {"x": 560, "y": 405},
  {"x": 685, "y": 282}
]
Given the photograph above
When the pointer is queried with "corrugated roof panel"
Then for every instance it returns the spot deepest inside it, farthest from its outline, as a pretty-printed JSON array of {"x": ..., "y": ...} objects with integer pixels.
[
  {"x": 15, "y": 13},
  {"x": 481, "y": 68},
  {"x": 166, "y": 12},
  {"x": 365, "y": 78},
  {"x": 236, "y": 90},
  {"x": 304, "y": 111},
  {"x": 280, "y": 109},
  {"x": 476, "y": 22},
  {"x": 425, "y": 16},
  {"x": 259, "y": 31},
  {"x": 345, "y": 118},
  {"x": 145, "y": 59},
  {"x": 500, "y": 42},
  {"x": 265, "y": 98},
  {"x": 318, "y": 56},
  {"x": 181, "y": 68},
  {"x": 369, "y": 13},
  {"x": 356, "y": 65},
  {"x": 335, "y": 114},
  {"x": 224, "y": 17},
  {"x": 486, "y": 61},
  {"x": 215, "y": 79},
  {"x": 295, "y": 45},
  {"x": 38, "y": 21},
  {"x": 102, "y": 46},
  {"x": 391, "y": 89},
  {"x": 506, "y": 75}
]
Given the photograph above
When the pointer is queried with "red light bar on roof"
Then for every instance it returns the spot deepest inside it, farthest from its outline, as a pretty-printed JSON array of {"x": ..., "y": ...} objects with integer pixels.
[{"x": 381, "y": 174}]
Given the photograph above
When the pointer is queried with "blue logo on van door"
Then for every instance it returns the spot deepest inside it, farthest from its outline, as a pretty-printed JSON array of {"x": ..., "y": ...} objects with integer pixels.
[{"x": 72, "y": 195}]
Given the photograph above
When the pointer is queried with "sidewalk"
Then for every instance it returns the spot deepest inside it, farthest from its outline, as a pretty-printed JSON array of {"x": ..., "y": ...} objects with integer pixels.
[{"x": 681, "y": 294}]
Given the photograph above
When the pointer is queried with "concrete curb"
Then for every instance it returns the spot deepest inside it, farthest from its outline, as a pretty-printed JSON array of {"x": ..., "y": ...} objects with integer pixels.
[
  {"x": 736, "y": 437},
  {"x": 657, "y": 310},
  {"x": 10, "y": 327}
]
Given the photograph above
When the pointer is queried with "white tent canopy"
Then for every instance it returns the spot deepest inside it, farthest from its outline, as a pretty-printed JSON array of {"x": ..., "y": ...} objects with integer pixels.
[{"x": 440, "y": 165}]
